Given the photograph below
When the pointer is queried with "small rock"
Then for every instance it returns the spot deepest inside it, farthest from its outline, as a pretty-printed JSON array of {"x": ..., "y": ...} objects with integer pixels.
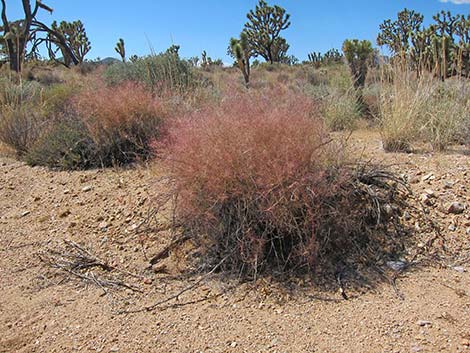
[
  {"x": 455, "y": 208},
  {"x": 114, "y": 349},
  {"x": 148, "y": 281},
  {"x": 423, "y": 323},
  {"x": 25, "y": 213},
  {"x": 388, "y": 210},
  {"x": 416, "y": 349},
  {"x": 452, "y": 227},
  {"x": 103, "y": 225},
  {"x": 425, "y": 199},
  {"x": 430, "y": 193},
  {"x": 87, "y": 188},
  {"x": 460, "y": 269},
  {"x": 427, "y": 177},
  {"x": 396, "y": 265},
  {"x": 448, "y": 184},
  {"x": 66, "y": 192},
  {"x": 233, "y": 344},
  {"x": 161, "y": 268},
  {"x": 64, "y": 213},
  {"x": 406, "y": 216},
  {"x": 466, "y": 343}
]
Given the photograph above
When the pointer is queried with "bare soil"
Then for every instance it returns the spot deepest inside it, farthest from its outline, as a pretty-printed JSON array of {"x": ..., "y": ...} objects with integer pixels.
[{"x": 46, "y": 310}]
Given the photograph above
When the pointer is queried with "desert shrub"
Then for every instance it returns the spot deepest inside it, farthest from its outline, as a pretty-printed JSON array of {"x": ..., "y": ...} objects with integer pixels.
[
  {"x": 47, "y": 77},
  {"x": 58, "y": 98},
  {"x": 402, "y": 104},
  {"x": 339, "y": 77},
  {"x": 371, "y": 100},
  {"x": 445, "y": 113},
  {"x": 65, "y": 146},
  {"x": 260, "y": 187},
  {"x": 20, "y": 127},
  {"x": 21, "y": 118},
  {"x": 121, "y": 121},
  {"x": 283, "y": 78},
  {"x": 162, "y": 72},
  {"x": 341, "y": 110},
  {"x": 315, "y": 77},
  {"x": 423, "y": 109}
]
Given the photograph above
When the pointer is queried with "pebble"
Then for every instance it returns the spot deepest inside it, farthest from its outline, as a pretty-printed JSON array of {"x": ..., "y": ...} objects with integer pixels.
[
  {"x": 406, "y": 216},
  {"x": 25, "y": 213},
  {"x": 64, "y": 213},
  {"x": 423, "y": 323},
  {"x": 448, "y": 184},
  {"x": 452, "y": 227},
  {"x": 425, "y": 199},
  {"x": 103, "y": 225},
  {"x": 429, "y": 176},
  {"x": 87, "y": 188},
  {"x": 430, "y": 193},
  {"x": 455, "y": 208},
  {"x": 460, "y": 269},
  {"x": 396, "y": 265}
]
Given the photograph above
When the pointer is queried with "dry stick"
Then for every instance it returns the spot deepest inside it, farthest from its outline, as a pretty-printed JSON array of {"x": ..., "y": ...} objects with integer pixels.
[
  {"x": 99, "y": 262},
  {"x": 177, "y": 295},
  {"x": 89, "y": 261},
  {"x": 166, "y": 251}
]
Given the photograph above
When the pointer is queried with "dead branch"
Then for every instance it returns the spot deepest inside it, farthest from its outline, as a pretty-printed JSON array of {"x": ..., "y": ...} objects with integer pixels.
[{"x": 79, "y": 262}]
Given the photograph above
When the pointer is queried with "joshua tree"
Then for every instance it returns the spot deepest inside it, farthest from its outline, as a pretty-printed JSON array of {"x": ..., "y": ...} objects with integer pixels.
[
  {"x": 397, "y": 34},
  {"x": 76, "y": 42},
  {"x": 263, "y": 29},
  {"x": 358, "y": 54},
  {"x": 121, "y": 49},
  {"x": 242, "y": 53},
  {"x": 19, "y": 33}
]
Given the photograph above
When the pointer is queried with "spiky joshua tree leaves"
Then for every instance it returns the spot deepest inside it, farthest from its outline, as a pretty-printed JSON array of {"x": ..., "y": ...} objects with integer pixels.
[
  {"x": 263, "y": 29},
  {"x": 241, "y": 51},
  {"x": 76, "y": 39},
  {"x": 357, "y": 53},
  {"x": 71, "y": 40},
  {"x": 121, "y": 49},
  {"x": 443, "y": 48}
]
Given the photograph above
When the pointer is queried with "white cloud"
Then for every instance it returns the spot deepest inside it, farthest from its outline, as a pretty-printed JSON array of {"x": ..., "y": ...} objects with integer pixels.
[{"x": 458, "y": 2}]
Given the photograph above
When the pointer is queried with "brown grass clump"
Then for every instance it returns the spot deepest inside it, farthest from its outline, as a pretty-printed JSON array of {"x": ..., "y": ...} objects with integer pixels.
[{"x": 258, "y": 183}]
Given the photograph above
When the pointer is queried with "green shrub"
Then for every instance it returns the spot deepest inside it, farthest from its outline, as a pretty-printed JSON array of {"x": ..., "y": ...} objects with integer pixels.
[
  {"x": 21, "y": 116},
  {"x": 162, "y": 72},
  {"x": 341, "y": 110},
  {"x": 66, "y": 146},
  {"x": 446, "y": 113},
  {"x": 58, "y": 98},
  {"x": 20, "y": 127}
]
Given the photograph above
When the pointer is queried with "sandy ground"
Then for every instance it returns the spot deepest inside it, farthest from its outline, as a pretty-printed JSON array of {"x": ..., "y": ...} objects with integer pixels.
[{"x": 43, "y": 311}]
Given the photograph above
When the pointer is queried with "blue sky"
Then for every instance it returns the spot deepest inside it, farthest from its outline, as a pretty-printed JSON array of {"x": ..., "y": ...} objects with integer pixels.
[{"x": 209, "y": 24}]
